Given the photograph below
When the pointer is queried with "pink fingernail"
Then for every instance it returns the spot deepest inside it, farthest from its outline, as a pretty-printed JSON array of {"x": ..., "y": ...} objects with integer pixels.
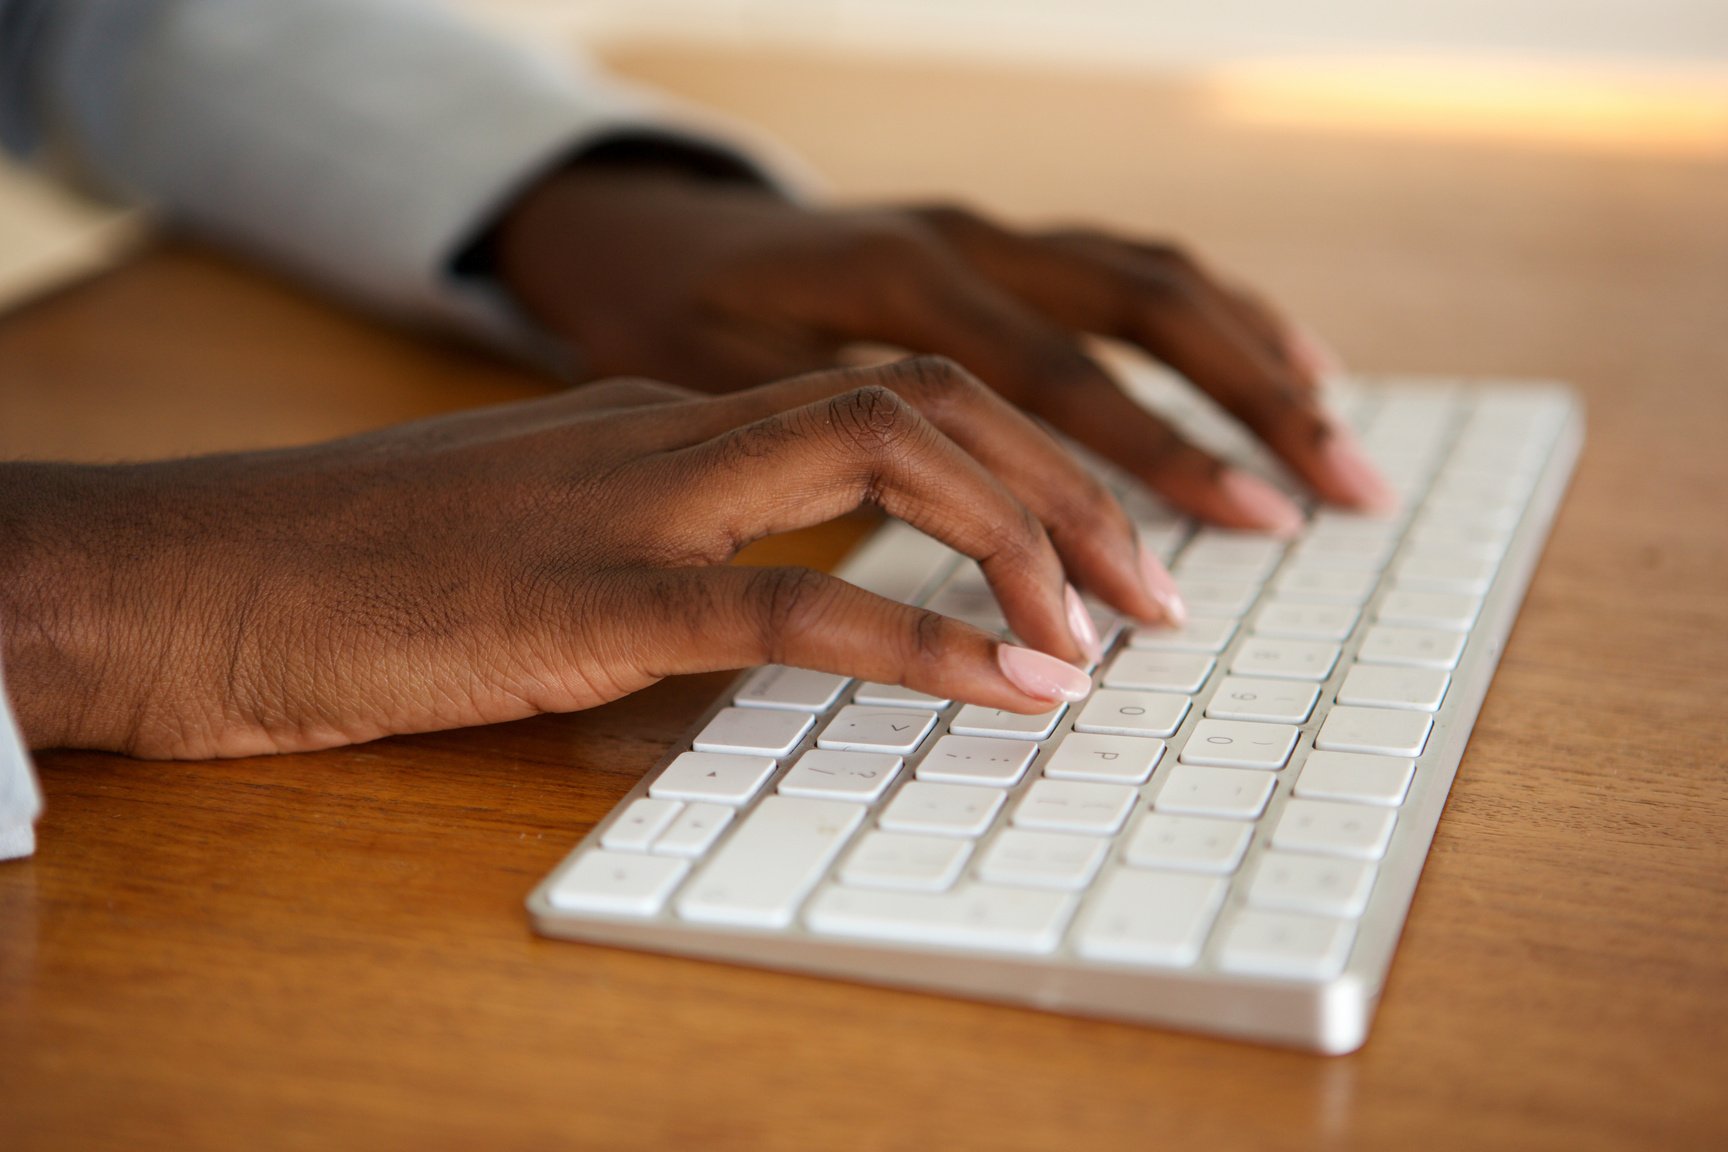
[
  {"x": 1161, "y": 586},
  {"x": 1268, "y": 509},
  {"x": 1041, "y": 675},
  {"x": 1080, "y": 624},
  {"x": 1354, "y": 475},
  {"x": 1312, "y": 353}
]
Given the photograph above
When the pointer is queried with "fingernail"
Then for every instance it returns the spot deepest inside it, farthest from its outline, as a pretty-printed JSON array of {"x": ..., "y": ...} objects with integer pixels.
[
  {"x": 1267, "y": 508},
  {"x": 1041, "y": 675},
  {"x": 1313, "y": 353},
  {"x": 1161, "y": 586},
  {"x": 1080, "y": 624},
  {"x": 1354, "y": 475}
]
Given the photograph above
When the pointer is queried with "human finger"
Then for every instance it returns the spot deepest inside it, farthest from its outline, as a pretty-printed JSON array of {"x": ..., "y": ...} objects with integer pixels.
[
  {"x": 917, "y": 295},
  {"x": 712, "y": 618},
  {"x": 1085, "y": 522},
  {"x": 867, "y": 446},
  {"x": 1163, "y": 300}
]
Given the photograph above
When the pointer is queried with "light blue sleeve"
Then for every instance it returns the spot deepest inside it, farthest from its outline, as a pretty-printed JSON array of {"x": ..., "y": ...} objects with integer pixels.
[
  {"x": 361, "y": 144},
  {"x": 20, "y": 798}
]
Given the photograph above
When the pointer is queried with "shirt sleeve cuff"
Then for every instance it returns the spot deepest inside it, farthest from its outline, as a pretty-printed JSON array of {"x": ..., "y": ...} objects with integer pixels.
[{"x": 358, "y": 143}]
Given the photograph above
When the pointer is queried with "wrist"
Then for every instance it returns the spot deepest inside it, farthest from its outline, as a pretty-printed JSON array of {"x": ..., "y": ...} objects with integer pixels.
[
  {"x": 608, "y": 167},
  {"x": 80, "y": 605}
]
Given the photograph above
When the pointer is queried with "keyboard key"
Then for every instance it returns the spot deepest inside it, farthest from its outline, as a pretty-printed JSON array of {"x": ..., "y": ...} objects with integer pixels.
[
  {"x": 1042, "y": 859},
  {"x": 1294, "y": 620},
  {"x": 909, "y": 863},
  {"x": 980, "y": 916},
  {"x": 1251, "y": 554},
  {"x": 1344, "y": 553},
  {"x": 1333, "y": 829},
  {"x": 1104, "y": 759},
  {"x": 942, "y": 809},
  {"x": 977, "y": 760},
  {"x": 975, "y": 720},
  {"x": 897, "y": 731},
  {"x": 1316, "y": 884},
  {"x": 1106, "y": 620},
  {"x": 1356, "y": 777},
  {"x": 1333, "y": 524},
  {"x": 1152, "y": 918},
  {"x": 712, "y": 776},
  {"x": 1239, "y": 744},
  {"x": 1326, "y": 586},
  {"x": 695, "y": 830},
  {"x": 1158, "y": 671},
  {"x": 759, "y": 876},
  {"x": 1274, "y": 701},
  {"x": 967, "y": 597},
  {"x": 1285, "y": 659},
  {"x": 897, "y": 696},
  {"x": 1072, "y": 806},
  {"x": 1460, "y": 537},
  {"x": 1385, "y": 686},
  {"x": 1285, "y": 944},
  {"x": 1411, "y": 647},
  {"x": 800, "y": 689},
  {"x": 1442, "y": 610},
  {"x": 635, "y": 828},
  {"x": 1217, "y": 597},
  {"x": 1122, "y": 713},
  {"x": 1199, "y": 634},
  {"x": 1233, "y": 793},
  {"x": 617, "y": 883},
  {"x": 753, "y": 732},
  {"x": 1440, "y": 572},
  {"x": 1381, "y": 731},
  {"x": 828, "y": 775},
  {"x": 1188, "y": 843}
]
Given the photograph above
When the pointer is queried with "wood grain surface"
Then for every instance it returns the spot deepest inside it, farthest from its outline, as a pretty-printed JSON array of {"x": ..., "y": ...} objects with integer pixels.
[{"x": 330, "y": 950}]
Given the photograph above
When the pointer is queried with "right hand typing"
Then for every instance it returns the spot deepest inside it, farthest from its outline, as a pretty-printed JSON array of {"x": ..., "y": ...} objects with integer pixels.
[{"x": 541, "y": 557}]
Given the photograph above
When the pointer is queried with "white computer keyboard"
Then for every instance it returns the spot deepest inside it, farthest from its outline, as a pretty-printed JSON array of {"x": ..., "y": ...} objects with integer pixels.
[{"x": 1225, "y": 836}]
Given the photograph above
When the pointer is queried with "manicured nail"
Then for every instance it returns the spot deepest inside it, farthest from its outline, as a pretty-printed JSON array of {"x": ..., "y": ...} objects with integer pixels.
[
  {"x": 1312, "y": 353},
  {"x": 1268, "y": 509},
  {"x": 1041, "y": 675},
  {"x": 1161, "y": 586},
  {"x": 1080, "y": 624},
  {"x": 1354, "y": 476}
]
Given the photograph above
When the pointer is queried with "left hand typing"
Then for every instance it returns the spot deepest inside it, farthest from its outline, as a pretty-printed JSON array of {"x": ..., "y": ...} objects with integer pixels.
[{"x": 716, "y": 286}]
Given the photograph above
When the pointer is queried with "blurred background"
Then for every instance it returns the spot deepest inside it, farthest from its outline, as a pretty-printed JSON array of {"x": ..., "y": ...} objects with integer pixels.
[{"x": 1602, "y": 76}]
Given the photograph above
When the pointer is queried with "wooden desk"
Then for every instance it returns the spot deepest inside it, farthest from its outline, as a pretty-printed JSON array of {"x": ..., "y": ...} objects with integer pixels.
[{"x": 330, "y": 949}]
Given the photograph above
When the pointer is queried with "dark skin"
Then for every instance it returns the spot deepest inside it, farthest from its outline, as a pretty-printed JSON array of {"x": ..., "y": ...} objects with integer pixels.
[
  {"x": 554, "y": 555},
  {"x": 720, "y": 285}
]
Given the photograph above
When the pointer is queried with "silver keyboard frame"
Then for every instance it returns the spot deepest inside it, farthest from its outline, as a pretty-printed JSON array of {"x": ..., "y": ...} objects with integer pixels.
[{"x": 1330, "y": 1017}]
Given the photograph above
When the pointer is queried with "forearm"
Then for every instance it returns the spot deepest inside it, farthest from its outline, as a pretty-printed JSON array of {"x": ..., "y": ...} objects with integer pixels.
[{"x": 96, "y": 609}]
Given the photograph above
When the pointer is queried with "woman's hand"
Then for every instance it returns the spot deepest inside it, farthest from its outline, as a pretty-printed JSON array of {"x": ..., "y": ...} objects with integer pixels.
[
  {"x": 716, "y": 285},
  {"x": 541, "y": 557}
]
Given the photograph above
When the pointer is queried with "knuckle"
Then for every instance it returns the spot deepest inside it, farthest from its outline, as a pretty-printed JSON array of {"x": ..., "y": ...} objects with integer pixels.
[
  {"x": 783, "y": 603},
  {"x": 1090, "y": 510},
  {"x": 926, "y": 641},
  {"x": 935, "y": 381},
  {"x": 1024, "y": 544},
  {"x": 871, "y": 419}
]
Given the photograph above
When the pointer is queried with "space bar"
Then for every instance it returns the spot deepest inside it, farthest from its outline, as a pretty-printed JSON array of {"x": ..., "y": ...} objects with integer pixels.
[{"x": 971, "y": 916}]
